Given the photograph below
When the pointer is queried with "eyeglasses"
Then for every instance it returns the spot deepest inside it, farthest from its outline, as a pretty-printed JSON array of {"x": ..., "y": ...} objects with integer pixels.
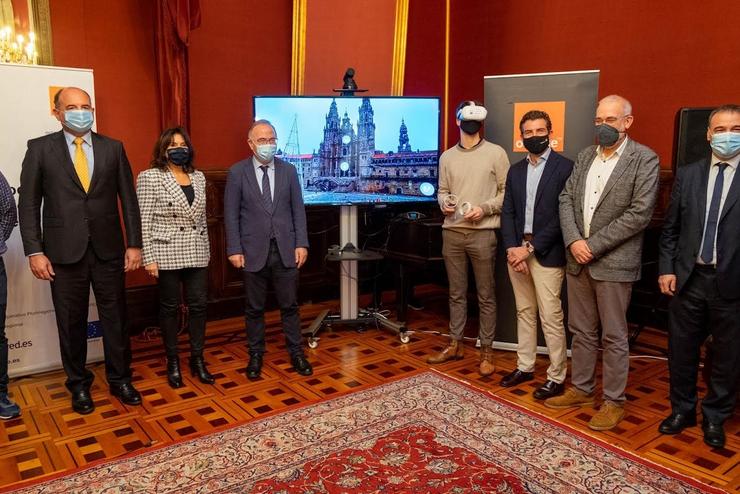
[
  {"x": 262, "y": 141},
  {"x": 608, "y": 120}
]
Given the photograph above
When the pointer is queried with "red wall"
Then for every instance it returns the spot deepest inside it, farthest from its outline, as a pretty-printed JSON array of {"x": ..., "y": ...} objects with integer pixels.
[
  {"x": 341, "y": 34},
  {"x": 660, "y": 55},
  {"x": 242, "y": 49}
]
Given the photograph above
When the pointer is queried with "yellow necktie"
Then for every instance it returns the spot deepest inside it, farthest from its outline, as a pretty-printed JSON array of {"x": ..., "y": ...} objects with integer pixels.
[{"x": 81, "y": 165}]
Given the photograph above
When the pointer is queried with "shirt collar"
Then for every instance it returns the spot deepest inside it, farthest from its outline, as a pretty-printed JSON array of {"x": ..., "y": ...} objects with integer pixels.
[
  {"x": 733, "y": 162},
  {"x": 617, "y": 153},
  {"x": 541, "y": 158},
  {"x": 257, "y": 164},
  {"x": 70, "y": 138}
]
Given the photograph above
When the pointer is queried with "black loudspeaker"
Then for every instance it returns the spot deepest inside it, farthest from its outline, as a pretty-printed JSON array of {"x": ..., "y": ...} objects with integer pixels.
[{"x": 691, "y": 135}]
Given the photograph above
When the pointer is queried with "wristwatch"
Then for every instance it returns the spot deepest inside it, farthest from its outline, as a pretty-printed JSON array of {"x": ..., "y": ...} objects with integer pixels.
[{"x": 529, "y": 246}]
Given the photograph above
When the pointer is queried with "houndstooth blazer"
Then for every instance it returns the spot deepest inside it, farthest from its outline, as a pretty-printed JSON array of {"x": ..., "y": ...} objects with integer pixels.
[{"x": 175, "y": 234}]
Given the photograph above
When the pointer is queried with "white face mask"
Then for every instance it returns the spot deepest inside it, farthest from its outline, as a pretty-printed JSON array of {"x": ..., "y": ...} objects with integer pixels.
[{"x": 266, "y": 151}]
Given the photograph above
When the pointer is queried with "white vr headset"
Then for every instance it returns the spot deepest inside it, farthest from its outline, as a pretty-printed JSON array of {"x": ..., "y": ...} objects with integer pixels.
[{"x": 472, "y": 112}]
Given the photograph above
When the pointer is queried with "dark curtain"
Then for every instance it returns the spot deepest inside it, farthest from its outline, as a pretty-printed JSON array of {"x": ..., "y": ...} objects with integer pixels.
[{"x": 175, "y": 20}]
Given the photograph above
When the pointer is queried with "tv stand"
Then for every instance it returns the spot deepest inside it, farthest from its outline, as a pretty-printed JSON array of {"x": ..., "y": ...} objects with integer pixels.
[{"x": 350, "y": 314}]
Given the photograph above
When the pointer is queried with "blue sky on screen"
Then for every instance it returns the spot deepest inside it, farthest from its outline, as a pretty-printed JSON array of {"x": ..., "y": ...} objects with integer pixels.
[{"x": 420, "y": 114}]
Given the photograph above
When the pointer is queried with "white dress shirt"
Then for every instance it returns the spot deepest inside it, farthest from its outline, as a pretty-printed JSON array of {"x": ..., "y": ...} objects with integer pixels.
[
  {"x": 729, "y": 176},
  {"x": 598, "y": 175}
]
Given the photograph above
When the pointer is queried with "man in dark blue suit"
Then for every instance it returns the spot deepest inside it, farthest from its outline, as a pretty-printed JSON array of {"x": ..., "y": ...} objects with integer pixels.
[
  {"x": 700, "y": 268},
  {"x": 266, "y": 236},
  {"x": 530, "y": 224}
]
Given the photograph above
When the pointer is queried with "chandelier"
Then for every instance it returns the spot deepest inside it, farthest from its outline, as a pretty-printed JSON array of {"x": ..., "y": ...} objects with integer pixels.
[{"x": 20, "y": 50}]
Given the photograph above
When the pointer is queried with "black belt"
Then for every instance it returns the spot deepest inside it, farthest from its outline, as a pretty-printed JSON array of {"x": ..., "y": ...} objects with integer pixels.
[{"x": 706, "y": 267}]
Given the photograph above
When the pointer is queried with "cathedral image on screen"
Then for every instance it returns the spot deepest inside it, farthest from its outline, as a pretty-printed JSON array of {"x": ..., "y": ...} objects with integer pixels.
[{"x": 358, "y": 155}]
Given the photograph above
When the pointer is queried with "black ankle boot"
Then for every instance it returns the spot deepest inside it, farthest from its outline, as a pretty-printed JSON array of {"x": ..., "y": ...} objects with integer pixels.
[
  {"x": 174, "y": 377},
  {"x": 198, "y": 368}
]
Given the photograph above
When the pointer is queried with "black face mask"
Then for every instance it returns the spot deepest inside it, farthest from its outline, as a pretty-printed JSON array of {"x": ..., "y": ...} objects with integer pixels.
[
  {"x": 607, "y": 135},
  {"x": 536, "y": 144},
  {"x": 471, "y": 127},
  {"x": 178, "y": 156}
]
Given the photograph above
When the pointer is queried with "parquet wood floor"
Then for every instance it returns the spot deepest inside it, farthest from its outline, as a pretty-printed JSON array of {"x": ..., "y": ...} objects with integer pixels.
[{"x": 49, "y": 438}]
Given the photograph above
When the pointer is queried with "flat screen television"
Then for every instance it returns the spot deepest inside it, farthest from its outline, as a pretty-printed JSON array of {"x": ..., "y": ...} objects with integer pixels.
[{"x": 358, "y": 150}]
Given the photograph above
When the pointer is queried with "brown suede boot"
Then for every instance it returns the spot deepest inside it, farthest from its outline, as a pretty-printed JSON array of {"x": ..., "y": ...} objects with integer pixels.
[
  {"x": 486, "y": 366},
  {"x": 453, "y": 351}
]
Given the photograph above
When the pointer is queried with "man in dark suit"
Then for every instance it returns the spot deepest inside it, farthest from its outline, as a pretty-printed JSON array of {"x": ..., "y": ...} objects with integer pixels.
[
  {"x": 80, "y": 176},
  {"x": 266, "y": 236},
  {"x": 530, "y": 225},
  {"x": 700, "y": 268},
  {"x": 605, "y": 207}
]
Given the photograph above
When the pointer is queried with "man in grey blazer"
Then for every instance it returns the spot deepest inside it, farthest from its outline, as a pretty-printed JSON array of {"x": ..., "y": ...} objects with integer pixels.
[
  {"x": 606, "y": 205},
  {"x": 266, "y": 236}
]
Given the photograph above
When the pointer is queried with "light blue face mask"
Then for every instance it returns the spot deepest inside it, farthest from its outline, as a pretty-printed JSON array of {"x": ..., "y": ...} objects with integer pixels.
[
  {"x": 78, "y": 120},
  {"x": 726, "y": 145},
  {"x": 266, "y": 151}
]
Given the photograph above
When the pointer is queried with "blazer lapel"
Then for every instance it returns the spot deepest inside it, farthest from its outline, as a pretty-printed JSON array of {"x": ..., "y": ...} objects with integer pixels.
[
  {"x": 547, "y": 174},
  {"x": 624, "y": 161},
  {"x": 62, "y": 151},
  {"x": 99, "y": 155},
  {"x": 280, "y": 177},
  {"x": 251, "y": 176},
  {"x": 199, "y": 187},
  {"x": 701, "y": 195},
  {"x": 732, "y": 196},
  {"x": 175, "y": 190},
  {"x": 581, "y": 191}
]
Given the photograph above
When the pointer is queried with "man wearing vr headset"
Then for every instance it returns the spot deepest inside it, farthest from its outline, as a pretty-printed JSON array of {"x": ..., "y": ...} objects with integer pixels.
[{"x": 472, "y": 177}]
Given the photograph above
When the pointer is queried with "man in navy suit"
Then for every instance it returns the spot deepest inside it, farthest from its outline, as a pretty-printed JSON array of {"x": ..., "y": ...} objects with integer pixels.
[
  {"x": 266, "y": 236},
  {"x": 700, "y": 268},
  {"x": 530, "y": 225}
]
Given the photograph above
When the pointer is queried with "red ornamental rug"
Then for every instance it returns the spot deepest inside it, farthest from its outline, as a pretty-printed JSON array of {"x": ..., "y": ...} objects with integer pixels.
[{"x": 424, "y": 434}]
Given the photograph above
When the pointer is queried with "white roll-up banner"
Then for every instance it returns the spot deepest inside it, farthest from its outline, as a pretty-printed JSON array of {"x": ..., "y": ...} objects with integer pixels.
[{"x": 26, "y": 99}]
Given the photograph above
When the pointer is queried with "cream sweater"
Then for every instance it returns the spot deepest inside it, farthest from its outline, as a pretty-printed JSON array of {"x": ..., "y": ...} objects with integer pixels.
[{"x": 478, "y": 176}]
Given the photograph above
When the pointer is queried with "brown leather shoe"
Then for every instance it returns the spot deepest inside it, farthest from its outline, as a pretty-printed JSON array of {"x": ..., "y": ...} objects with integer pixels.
[
  {"x": 571, "y": 398},
  {"x": 453, "y": 351},
  {"x": 486, "y": 366},
  {"x": 608, "y": 416}
]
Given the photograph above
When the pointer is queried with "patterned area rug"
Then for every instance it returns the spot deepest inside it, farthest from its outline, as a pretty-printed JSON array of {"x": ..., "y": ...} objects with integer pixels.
[{"x": 423, "y": 434}]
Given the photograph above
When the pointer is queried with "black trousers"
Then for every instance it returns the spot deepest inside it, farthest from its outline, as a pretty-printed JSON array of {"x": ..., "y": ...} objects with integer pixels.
[
  {"x": 70, "y": 293},
  {"x": 195, "y": 286},
  {"x": 696, "y": 312},
  {"x": 3, "y": 337},
  {"x": 285, "y": 282}
]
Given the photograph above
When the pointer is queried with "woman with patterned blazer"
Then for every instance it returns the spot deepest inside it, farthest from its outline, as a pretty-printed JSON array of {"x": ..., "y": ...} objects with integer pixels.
[{"x": 172, "y": 198}]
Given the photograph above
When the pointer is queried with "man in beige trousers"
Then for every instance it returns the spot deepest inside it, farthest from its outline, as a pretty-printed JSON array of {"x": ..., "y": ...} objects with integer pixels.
[{"x": 472, "y": 176}]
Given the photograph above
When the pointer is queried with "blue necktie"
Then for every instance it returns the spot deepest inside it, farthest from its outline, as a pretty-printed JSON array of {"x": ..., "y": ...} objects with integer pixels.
[
  {"x": 266, "y": 193},
  {"x": 710, "y": 231}
]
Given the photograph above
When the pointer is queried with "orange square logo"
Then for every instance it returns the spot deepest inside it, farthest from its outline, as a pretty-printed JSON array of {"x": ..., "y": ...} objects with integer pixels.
[
  {"x": 556, "y": 110},
  {"x": 52, "y": 92}
]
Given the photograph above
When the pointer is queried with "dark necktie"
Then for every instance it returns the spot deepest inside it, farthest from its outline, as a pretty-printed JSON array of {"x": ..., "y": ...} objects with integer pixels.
[
  {"x": 266, "y": 193},
  {"x": 710, "y": 231}
]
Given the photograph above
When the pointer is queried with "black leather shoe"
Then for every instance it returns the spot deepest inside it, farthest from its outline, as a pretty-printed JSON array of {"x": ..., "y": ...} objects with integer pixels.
[
  {"x": 174, "y": 376},
  {"x": 198, "y": 368},
  {"x": 301, "y": 365},
  {"x": 516, "y": 377},
  {"x": 82, "y": 402},
  {"x": 126, "y": 393},
  {"x": 677, "y": 422},
  {"x": 548, "y": 390},
  {"x": 254, "y": 367},
  {"x": 714, "y": 434}
]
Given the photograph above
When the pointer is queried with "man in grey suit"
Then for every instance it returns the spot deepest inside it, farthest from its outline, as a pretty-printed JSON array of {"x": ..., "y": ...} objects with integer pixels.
[
  {"x": 605, "y": 206},
  {"x": 266, "y": 236}
]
